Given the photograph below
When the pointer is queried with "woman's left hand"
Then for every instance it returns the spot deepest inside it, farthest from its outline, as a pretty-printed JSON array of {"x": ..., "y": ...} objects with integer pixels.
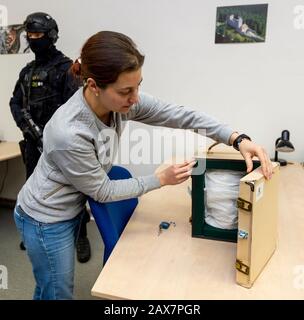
[{"x": 248, "y": 149}]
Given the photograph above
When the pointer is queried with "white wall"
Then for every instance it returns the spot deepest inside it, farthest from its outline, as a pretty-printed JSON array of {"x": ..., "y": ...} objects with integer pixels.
[{"x": 256, "y": 88}]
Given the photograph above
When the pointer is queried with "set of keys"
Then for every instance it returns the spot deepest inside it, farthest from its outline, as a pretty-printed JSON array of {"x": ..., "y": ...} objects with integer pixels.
[{"x": 165, "y": 225}]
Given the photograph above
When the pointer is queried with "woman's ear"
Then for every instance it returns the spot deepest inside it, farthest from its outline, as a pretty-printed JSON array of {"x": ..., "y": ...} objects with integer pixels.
[{"x": 91, "y": 84}]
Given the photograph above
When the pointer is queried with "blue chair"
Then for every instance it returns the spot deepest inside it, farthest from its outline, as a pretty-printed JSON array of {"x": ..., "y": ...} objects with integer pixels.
[{"x": 112, "y": 217}]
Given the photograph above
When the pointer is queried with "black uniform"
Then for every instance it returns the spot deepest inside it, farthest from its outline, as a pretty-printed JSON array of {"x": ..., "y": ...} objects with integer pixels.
[{"x": 42, "y": 87}]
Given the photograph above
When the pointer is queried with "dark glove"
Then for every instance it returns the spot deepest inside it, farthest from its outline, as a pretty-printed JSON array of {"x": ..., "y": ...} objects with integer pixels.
[{"x": 27, "y": 133}]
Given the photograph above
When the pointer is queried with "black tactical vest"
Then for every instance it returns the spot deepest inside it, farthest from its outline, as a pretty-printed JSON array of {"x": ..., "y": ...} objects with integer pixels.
[{"x": 44, "y": 89}]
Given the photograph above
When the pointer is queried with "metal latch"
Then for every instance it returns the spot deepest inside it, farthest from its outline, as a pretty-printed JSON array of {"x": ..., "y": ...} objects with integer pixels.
[
  {"x": 242, "y": 234},
  {"x": 244, "y": 205},
  {"x": 240, "y": 266}
]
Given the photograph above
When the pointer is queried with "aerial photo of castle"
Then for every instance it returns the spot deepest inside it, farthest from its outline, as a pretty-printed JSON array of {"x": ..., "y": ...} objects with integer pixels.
[{"x": 241, "y": 24}]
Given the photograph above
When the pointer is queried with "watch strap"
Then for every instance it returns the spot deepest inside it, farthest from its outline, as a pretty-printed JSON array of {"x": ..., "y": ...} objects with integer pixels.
[{"x": 238, "y": 140}]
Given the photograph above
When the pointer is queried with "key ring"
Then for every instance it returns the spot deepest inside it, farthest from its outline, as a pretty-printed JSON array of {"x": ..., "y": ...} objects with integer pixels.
[{"x": 164, "y": 225}]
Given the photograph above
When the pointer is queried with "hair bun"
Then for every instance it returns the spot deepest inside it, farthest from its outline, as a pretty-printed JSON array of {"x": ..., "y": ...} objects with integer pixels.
[{"x": 76, "y": 68}]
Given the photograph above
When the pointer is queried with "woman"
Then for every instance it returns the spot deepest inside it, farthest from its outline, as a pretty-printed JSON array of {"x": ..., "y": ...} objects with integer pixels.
[{"x": 74, "y": 161}]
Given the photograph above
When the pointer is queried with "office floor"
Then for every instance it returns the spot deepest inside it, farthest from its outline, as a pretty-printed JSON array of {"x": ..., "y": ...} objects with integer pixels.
[{"x": 20, "y": 277}]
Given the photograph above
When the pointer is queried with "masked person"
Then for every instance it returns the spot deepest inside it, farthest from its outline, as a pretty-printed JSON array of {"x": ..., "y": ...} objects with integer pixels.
[{"x": 43, "y": 86}]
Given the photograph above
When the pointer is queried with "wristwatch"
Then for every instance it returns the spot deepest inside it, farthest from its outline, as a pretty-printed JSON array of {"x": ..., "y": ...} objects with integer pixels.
[{"x": 238, "y": 140}]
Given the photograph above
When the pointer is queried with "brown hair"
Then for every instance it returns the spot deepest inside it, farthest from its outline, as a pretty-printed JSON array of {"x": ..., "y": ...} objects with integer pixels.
[{"x": 105, "y": 55}]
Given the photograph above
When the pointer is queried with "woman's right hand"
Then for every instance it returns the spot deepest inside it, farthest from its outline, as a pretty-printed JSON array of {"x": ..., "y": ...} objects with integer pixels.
[{"x": 175, "y": 174}]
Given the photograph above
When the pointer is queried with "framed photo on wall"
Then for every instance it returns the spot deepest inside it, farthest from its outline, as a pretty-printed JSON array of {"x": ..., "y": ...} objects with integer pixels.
[
  {"x": 13, "y": 39},
  {"x": 241, "y": 24}
]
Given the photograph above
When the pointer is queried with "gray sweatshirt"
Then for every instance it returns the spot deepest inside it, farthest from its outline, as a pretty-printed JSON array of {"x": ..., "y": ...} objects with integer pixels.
[{"x": 74, "y": 164}]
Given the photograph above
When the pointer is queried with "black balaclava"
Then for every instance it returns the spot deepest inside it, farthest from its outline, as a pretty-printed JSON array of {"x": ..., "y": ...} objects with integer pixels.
[{"x": 42, "y": 47}]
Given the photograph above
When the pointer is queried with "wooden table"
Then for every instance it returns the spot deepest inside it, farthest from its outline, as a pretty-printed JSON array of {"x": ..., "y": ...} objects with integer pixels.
[
  {"x": 174, "y": 265},
  {"x": 9, "y": 150}
]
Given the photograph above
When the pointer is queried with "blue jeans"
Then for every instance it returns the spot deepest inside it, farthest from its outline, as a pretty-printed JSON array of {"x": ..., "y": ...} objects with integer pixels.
[{"x": 51, "y": 249}]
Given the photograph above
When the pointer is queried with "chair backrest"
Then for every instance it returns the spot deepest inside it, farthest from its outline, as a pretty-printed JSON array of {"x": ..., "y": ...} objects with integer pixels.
[{"x": 112, "y": 217}]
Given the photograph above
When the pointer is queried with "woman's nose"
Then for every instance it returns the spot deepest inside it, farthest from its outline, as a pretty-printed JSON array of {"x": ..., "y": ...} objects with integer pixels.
[{"x": 134, "y": 98}]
